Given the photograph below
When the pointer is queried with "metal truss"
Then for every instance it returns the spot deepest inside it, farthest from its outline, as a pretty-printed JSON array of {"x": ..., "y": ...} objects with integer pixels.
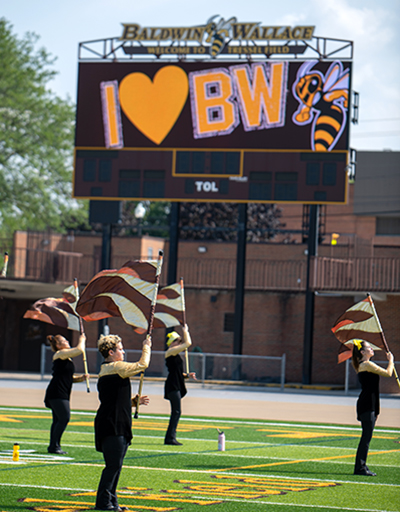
[{"x": 113, "y": 49}]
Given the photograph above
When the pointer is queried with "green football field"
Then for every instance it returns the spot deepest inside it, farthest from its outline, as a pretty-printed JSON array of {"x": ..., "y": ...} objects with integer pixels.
[{"x": 267, "y": 466}]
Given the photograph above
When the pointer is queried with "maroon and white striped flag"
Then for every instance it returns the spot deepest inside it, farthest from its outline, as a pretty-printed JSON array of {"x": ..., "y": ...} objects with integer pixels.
[
  {"x": 169, "y": 308},
  {"x": 54, "y": 311},
  {"x": 358, "y": 323},
  {"x": 126, "y": 293}
]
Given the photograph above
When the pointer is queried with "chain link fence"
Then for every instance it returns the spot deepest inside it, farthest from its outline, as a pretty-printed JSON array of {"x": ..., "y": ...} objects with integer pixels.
[{"x": 208, "y": 367}]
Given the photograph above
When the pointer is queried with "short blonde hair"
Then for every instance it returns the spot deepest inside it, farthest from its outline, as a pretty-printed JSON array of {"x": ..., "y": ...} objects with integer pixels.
[{"x": 107, "y": 343}]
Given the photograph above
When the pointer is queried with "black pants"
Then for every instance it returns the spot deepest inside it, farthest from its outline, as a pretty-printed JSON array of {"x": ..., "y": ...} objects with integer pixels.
[
  {"x": 61, "y": 415},
  {"x": 367, "y": 424},
  {"x": 114, "y": 450},
  {"x": 175, "y": 398}
]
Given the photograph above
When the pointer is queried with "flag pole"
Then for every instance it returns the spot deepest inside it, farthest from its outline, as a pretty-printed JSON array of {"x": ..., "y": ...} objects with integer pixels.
[
  {"x": 383, "y": 334},
  {"x": 85, "y": 367},
  {"x": 150, "y": 324},
  {"x": 184, "y": 322},
  {"x": 4, "y": 271}
]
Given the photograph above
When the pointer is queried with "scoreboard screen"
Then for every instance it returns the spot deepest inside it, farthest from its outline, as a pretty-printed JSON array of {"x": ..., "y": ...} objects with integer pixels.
[{"x": 213, "y": 131}]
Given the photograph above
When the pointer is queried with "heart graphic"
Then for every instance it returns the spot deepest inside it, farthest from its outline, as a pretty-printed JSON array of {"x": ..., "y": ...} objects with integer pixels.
[{"x": 154, "y": 106}]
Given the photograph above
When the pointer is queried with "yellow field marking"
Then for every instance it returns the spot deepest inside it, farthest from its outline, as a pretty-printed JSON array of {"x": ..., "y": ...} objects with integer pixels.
[
  {"x": 295, "y": 434},
  {"x": 83, "y": 505},
  {"x": 153, "y": 496},
  {"x": 156, "y": 426},
  {"x": 8, "y": 419},
  {"x": 298, "y": 461},
  {"x": 250, "y": 488},
  {"x": 45, "y": 415}
]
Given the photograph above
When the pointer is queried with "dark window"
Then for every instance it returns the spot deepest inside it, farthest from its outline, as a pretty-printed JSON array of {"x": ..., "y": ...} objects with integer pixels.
[
  {"x": 189, "y": 186},
  {"x": 89, "y": 153},
  {"x": 183, "y": 162},
  {"x": 217, "y": 163},
  {"x": 89, "y": 170},
  {"x": 232, "y": 163},
  {"x": 329, "y": 174},
  {"x": 96, "y": 191},
  {"x": 198, "y": 162},
  {"x": 388, "y": 225},
  {"x": 312, "y": 173},
  {"x": 229, "y": 322},
  {"x": 154, "y": 175},
  {"x": 223, "y": 186},
  {"x": 260, "y": 191},
  {"x": 128, "y": 188},
  {"x": 105, "y": 167},
  {"x": 320, "y": 195},
  {"x": 208, "y": 162},
  {"x": 154, "y": 189},
  {"x": 324, "y": 157},
  {"x": 260, "y": 176},
  {"x": 286, "y": 176},
  {"x": 129, "y": 174},
  {"x": 285, "y": 191}
]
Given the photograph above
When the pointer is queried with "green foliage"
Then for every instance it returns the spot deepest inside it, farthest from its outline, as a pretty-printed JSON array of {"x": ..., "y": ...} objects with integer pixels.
[{"x": 36, "y": 140}]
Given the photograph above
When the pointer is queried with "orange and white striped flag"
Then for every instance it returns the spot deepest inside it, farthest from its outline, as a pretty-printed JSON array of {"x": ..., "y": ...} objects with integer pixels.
[{"x": 358, "y": 323}]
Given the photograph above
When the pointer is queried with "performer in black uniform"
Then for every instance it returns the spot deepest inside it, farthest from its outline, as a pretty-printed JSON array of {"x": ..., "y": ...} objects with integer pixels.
[
  {"x": 59, "y": 389},
  {"x": 175, "y": 388},
  {"x": 368, "y": 401},
  {"x": 113, "y": 422}
]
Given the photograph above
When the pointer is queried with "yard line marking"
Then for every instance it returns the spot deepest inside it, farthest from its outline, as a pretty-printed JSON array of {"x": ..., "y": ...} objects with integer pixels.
[
  {"x": 199, "y": 471},
  {"x": 298, "y": 461},
  {"x": 238, "y": 421},
  {"x": 286, "y": 504}
]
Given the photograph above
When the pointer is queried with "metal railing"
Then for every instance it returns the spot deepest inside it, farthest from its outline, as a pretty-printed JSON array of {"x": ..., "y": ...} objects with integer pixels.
[
  {"x": 356, "y": 274},
  {"x": 333, "y": 274},
  {"x": 208, "y": 367}
]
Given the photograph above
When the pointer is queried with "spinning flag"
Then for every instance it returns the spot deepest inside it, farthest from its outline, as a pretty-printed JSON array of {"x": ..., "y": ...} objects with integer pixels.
[
  {"x": 358, "y": 322},
  {"x": 169, "y": 308},
  {"x": 126, "y": 293},
  {"x": 54, "y": 311}
]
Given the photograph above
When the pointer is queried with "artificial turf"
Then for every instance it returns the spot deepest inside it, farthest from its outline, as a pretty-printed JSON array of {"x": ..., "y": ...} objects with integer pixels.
[{"x": 267, "y": 466}]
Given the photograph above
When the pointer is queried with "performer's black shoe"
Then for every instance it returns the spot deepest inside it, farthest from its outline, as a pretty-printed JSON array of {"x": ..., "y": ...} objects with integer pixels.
[
  {"x": 365, "y": 472},
  {"x": 115, "y": 509},
  {"x": 173, "y": 442},
  {"x": 57, "y": 451}
]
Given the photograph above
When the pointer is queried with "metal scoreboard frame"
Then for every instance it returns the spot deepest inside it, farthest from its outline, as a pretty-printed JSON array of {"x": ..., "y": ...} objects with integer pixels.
[{"x": 214, "y": 113}]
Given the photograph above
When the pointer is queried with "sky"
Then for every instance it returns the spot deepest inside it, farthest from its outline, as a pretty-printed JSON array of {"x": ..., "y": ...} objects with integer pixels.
[{"x": 372, "y": 25}]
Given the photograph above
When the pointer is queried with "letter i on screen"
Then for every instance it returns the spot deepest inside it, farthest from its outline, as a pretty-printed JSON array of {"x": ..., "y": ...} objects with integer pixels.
[{"x": 111, "y": 114}]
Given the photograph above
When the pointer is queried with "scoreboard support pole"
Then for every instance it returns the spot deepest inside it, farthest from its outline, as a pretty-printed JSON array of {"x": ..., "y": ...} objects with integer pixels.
[
  {"x": 173, "y": 250},
  {"x": 310, "y": 296},
  {"x": 240, "y": 280}
]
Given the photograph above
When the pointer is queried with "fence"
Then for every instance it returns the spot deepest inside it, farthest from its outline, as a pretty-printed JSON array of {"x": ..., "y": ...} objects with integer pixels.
[{"x": 208, "y": 367}]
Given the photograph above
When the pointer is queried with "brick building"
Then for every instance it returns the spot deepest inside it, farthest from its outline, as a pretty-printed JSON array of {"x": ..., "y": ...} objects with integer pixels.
[{"x": 366, "y": 258}]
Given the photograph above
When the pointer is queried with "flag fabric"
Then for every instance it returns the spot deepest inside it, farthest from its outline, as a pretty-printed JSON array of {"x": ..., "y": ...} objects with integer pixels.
[
  {"x": 54, "y": 311},
  {"x": 358, "y": 322},
  {"x": 70, "y": 294},
  {"x": 169, "y": 308},
  {"x": 126, "y": 293}
]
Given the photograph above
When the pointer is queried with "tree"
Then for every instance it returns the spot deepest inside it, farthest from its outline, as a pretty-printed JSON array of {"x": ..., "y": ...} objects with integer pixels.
[{"x": 36, "y": 141}]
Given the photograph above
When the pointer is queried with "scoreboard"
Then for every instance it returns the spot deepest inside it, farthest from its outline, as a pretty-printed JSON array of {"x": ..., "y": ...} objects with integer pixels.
[{"x": 213, "y": 131}]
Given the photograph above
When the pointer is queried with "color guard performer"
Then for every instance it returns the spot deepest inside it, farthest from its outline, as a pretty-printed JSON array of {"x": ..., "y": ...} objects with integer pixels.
[
  {"x": 113, "y": 422},
  {"x": 368, "y": 402},
  {"x": 175, "y": 388},
  {"x": 58, "y": 391}
]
